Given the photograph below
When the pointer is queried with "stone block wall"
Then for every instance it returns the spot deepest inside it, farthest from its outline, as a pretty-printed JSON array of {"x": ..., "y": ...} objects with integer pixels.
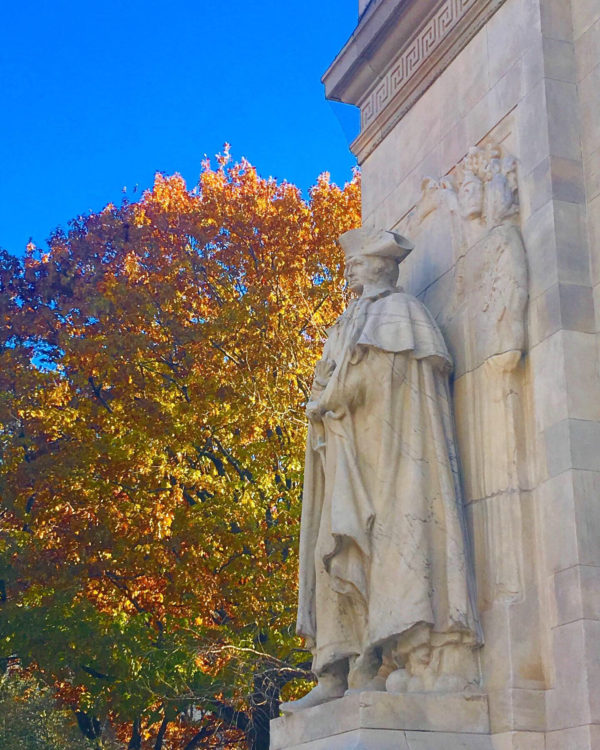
[{"x": 525, "y": 81}]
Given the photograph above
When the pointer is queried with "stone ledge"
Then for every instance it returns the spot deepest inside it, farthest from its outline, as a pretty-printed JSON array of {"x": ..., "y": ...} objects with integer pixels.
[
  {"x": 390, "y": 739},
  {"x": 413, "y": 712}
]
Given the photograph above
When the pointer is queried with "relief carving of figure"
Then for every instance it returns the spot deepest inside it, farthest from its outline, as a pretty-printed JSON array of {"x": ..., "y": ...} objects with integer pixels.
[
  {"x": 490, "y": 298},
  {"x": 498, "y": 277},
  {"x": 386, "y": 597}
]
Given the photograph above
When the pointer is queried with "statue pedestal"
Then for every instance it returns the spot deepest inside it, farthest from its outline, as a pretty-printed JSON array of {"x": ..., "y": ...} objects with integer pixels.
[{"x": 387, "y": 721}]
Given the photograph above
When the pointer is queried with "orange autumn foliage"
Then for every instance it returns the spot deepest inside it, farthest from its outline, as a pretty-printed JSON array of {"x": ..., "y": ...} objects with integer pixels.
[{"x": 154, "y": 366}]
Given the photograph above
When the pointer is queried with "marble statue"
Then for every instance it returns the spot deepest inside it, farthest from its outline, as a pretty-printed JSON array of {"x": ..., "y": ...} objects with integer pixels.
[{"x": 386, "y": 596}]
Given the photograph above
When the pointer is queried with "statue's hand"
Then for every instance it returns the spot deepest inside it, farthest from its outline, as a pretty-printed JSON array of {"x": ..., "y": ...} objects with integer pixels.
[
  {"x": 323, "y": 371},
  {"x": 314, "y": 411}
]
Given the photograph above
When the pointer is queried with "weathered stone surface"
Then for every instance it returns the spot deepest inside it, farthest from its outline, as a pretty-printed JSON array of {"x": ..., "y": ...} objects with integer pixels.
[
  {"x": 517, "y": 709},
  {"x": 376, "y": 711},
  {"x": 562, "y": 307},
  {"x": 560, "y": 60},
  {"x": 563, "y": 121},
  {"x": 519, "y": 741},
  {"x": 589, "y": 89},
  {"x": 527, "y": 82},
  {"x": 578, "y": 738},
  {"x": 592, "y": 174},
  {"x": 382, "y": 739},
  {"x": 587, "y": 50},
  {"x": 585, "y": 14}
]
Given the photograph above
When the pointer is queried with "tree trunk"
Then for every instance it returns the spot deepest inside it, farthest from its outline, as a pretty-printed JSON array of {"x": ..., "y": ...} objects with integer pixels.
[
  {"x": 135, "y": 743},
  {"x": 161, "y": 734},
  {"x": 264, "y": 705},
  {"x": 90, "y": 726},
  {"x": 264, "y": 702}
]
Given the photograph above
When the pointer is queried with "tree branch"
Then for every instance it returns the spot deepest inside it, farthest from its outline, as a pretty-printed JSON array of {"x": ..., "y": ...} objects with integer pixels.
[
  {"x": 203, "y": 734},
  {"x": 310, "y": 317},
  {"x": 97, "y": 390}
]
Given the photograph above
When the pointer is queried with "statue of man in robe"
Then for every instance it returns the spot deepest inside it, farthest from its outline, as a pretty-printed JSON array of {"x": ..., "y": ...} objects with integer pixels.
[{"x": 386, "y": 597}]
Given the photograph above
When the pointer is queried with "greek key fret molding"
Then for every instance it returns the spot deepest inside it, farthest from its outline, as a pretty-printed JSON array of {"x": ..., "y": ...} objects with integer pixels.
[
  {"x": 397, "y": 51},
  {"x": 414, "y": 55}
]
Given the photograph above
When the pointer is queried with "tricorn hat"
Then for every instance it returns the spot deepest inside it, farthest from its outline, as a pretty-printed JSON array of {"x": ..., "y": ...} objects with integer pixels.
[{"x": 382, "y": 243}]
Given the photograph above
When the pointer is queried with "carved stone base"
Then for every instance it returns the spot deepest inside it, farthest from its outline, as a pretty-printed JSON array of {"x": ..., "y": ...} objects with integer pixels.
[
  {"x": 386, "y": 721},
  {"x": 394, "y": 739}
]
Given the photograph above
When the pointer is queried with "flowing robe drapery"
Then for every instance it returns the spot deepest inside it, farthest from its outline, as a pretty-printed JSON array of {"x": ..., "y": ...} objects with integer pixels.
[{"x": 383, "y": 540}]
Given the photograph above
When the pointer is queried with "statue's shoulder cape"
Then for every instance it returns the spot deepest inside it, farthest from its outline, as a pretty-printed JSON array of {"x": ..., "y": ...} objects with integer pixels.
[{"x": 399, "y": 322}]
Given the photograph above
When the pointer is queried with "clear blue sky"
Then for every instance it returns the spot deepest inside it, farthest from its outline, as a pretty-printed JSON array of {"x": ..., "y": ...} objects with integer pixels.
[{"x": 97, "y": 96}]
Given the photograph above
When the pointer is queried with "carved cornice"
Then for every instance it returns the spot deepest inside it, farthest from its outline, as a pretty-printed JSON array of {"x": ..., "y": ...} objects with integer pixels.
[
  {"x": 420, "y": 48},
  {"x": 398, "y": 49}
]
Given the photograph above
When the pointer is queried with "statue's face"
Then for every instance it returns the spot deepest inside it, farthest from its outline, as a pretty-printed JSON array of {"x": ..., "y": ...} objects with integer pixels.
[
  {"x": 369, "y": 270},
  {"x": 470, "y": 198}
]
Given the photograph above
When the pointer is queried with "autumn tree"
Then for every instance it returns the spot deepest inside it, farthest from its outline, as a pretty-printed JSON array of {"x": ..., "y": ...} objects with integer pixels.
[
  {"x": 30, "y": 717},
  {"x": 155, "y": 361}
]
